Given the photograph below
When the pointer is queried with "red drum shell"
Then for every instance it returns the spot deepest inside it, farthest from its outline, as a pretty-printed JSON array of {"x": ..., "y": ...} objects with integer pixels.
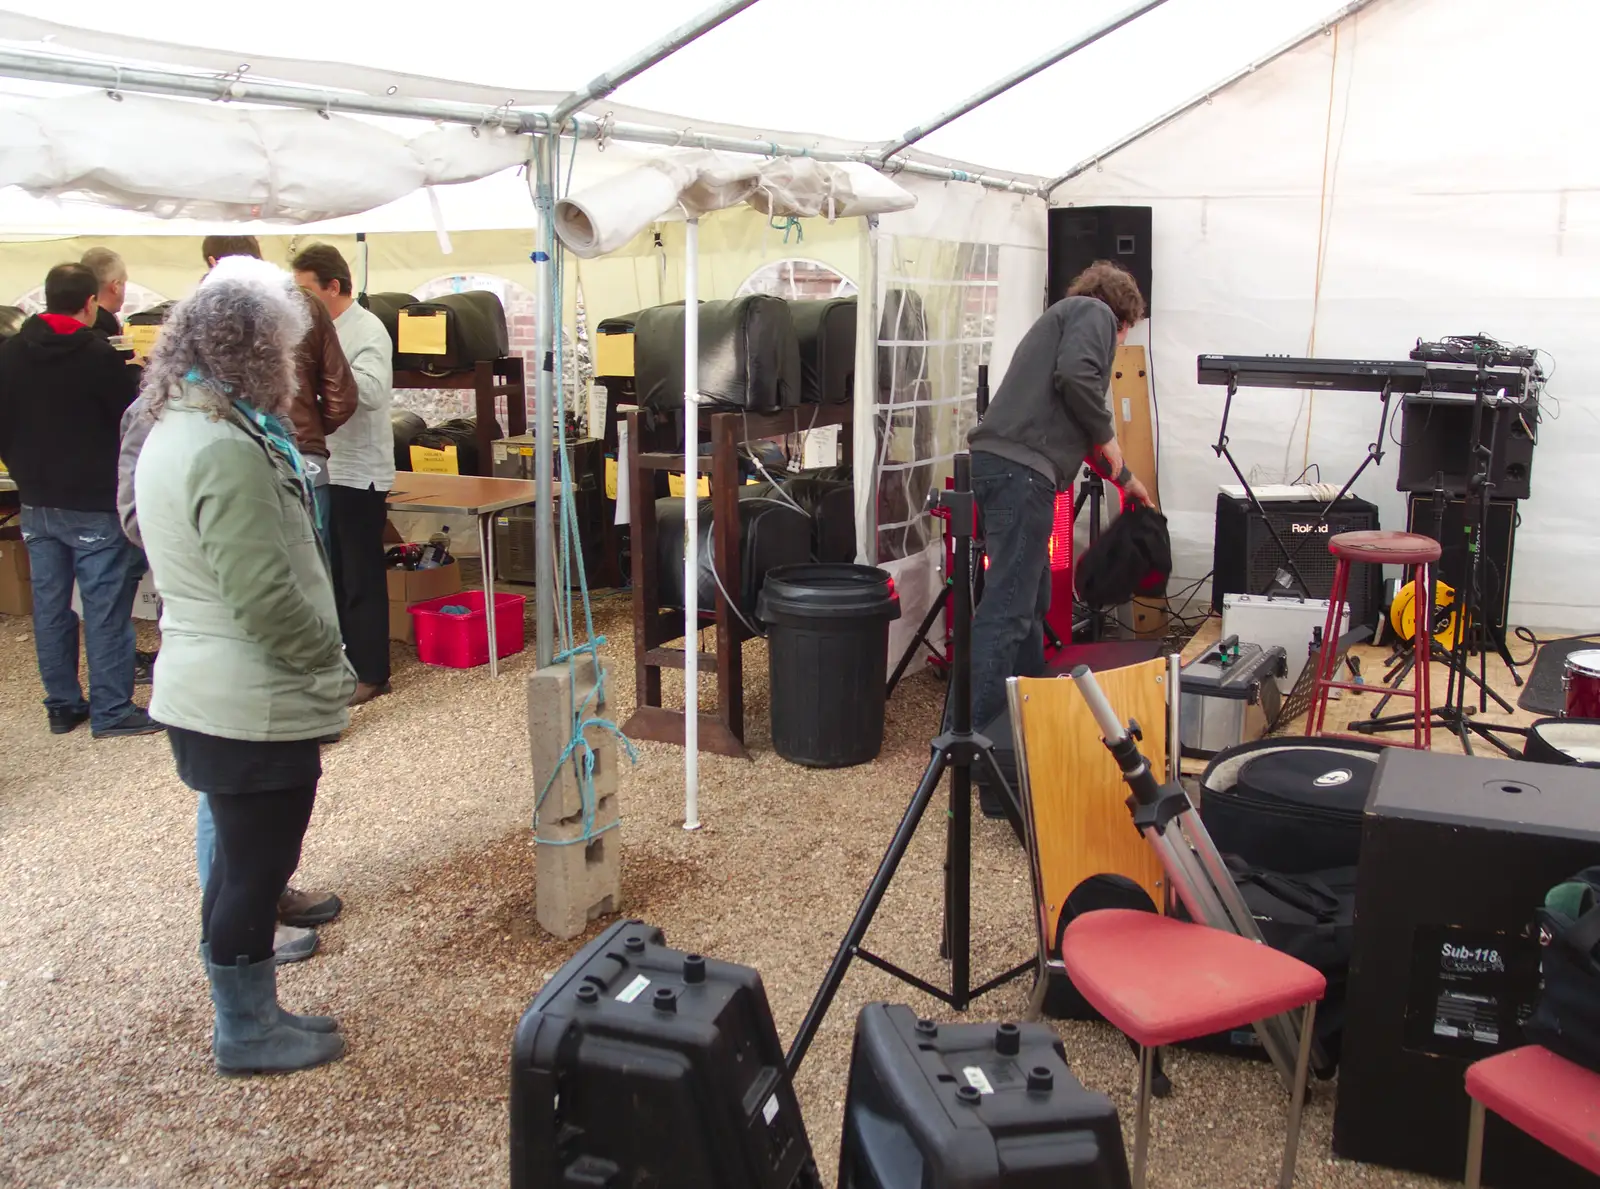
[{"x": 1580, "y": 680}]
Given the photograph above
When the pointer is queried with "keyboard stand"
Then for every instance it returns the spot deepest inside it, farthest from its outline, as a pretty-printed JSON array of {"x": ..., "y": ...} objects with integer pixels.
[{"x": 1374, "y": 455}]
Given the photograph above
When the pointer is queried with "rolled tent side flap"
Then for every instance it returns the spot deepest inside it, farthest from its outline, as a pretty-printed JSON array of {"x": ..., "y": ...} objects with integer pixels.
[
  {"x": 604, "y": 217},
  {"x": 450, "y": 153},
  {"x": 175, "y": 158}
]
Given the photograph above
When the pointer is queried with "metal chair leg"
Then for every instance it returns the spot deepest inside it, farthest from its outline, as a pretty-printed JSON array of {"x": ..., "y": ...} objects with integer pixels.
[
  {"x": 1291, "y": 1148},
  {"x": 1141, "y": 1124},
  {"x": 1475, "y": 1146},
  {"x": 1041, "y": 988}
]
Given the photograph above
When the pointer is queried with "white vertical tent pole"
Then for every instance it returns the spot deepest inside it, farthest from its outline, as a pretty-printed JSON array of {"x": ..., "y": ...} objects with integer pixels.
[
  {"x": 864, "y": 419},
  {"x": 691, "y": 526}
]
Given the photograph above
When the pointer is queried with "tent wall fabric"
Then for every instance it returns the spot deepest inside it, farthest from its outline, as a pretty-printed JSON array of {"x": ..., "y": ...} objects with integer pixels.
[{"x": 1296, "y": 214}]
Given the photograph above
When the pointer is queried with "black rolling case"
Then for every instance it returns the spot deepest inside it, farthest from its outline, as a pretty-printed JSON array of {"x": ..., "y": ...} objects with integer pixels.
[
  {"x": 771, "y": 534},
  {"x": 406, "y": 425},
  {"x": 826, "y": 331},
  {"x": 638, "y": 1065},
  {"x": 387, "y": 307},
  {"x": 1289, "y": 805},
  {"x": 971, "y": 1106},
  {"x": 749, "y": 356},
  {"x": 474, "y": 331},
  {"x": 462, "y": 433}
]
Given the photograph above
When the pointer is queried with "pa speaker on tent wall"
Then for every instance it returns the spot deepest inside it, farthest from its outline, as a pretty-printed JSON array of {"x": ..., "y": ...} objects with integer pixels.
[{"x": 1080, "y": 235}]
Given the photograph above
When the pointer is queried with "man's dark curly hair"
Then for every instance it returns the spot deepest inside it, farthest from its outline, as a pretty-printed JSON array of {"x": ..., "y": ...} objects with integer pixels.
[{"x": 1115, "y": 286}]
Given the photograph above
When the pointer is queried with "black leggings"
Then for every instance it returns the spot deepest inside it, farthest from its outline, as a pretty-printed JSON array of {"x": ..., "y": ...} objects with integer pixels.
[{"x": 258, "y": 849}]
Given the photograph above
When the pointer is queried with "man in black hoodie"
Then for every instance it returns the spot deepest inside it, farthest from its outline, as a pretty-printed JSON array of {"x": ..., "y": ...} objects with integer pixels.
[
  {"x": 1047, "y": 418},
  {"x": 63, "y": 389}
]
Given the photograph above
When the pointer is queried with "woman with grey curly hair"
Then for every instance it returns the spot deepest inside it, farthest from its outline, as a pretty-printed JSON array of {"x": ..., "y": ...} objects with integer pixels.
[{"x": 251, "y": 672}]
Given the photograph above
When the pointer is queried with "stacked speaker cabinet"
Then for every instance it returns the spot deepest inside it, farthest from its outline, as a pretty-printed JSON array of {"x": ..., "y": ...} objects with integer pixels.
[
  {"x": 1080, "y": 235},
  {"x": 1499, "y": 546},
  {"x": 1457, "y": 853},
  {"x": 1246, "y": 560}
]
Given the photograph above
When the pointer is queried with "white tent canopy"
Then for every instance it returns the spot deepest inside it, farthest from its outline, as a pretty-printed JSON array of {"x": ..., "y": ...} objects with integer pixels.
[{"x": 1396, "y": 178}]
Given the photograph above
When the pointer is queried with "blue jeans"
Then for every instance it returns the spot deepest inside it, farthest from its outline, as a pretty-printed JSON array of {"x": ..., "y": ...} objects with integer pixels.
[
  {"x": 205, "y": 841},
  {"x": 64, "y": 545},
  {"x": 1016, "y": 513}
]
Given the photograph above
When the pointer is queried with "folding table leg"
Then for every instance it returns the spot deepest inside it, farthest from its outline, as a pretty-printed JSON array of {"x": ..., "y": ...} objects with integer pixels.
[
  {"x": 486, "y": 555},
  {"x": 1475, "y": 1146}
]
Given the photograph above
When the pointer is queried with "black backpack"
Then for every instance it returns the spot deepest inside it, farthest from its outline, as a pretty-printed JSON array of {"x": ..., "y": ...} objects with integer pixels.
[{"x": 1566, "y": 1019}]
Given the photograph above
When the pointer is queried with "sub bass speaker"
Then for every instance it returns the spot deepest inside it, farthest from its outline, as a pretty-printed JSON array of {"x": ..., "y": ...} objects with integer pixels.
[
  {"x": 1246, "y": 559},
  {"x": 1457, "y": 853},
  {"x": 1080, "y": 235},
  {"x": 1499, "y": 543}
]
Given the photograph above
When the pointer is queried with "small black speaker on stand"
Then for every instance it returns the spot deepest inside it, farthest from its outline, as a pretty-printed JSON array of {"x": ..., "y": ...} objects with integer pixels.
[{"x": 1080, "y": 235}]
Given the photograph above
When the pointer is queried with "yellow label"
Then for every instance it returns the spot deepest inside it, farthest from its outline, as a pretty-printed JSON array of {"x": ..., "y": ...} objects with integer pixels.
[
  {"x": 141, "y": 339},
  {"x": 611, "y": 479},
  {"x": 423, "y": 334},
  {"x": 675, "y": 486},
  {"x": 427, "y": 461},
  {"x": 613, "y": 354}
]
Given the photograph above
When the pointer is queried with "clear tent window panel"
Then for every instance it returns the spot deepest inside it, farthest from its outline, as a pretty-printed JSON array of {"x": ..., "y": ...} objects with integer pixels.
[{"x": 937, "y": 324}]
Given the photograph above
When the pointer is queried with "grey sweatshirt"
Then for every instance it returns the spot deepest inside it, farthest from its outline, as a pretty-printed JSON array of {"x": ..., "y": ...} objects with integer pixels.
[{"x": 1050, "y": 410}]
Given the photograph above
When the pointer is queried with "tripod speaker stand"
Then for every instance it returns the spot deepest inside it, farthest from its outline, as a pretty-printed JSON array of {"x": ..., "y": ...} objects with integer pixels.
[{"x": 955, "y": 751}]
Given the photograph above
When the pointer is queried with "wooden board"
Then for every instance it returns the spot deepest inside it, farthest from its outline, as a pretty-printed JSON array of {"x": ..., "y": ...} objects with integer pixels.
[
  {"x": 1081, "y": 824},
  {"x": 1133, "y": 418}
]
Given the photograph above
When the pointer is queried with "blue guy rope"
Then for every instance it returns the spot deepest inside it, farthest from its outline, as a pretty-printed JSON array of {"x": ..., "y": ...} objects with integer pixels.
[{"x": 577, "y": 712}]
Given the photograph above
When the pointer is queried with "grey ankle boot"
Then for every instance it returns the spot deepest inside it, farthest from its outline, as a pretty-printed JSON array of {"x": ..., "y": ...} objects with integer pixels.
[
  {"x": 251, "y": 1036},
  {"x": 304, "y": 1023}
]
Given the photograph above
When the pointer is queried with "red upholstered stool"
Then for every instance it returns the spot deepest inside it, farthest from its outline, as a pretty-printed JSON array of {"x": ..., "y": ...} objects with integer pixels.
[
  {"x": 1545, "y": 1096},
  {"x": 1379, "y": 548},
  {"x": 1162, "y": 980}
]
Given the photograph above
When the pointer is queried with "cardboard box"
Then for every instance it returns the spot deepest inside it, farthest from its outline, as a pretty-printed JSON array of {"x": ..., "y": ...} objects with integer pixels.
[
  {"x": 146, "y": 602},
  {"x": 407, "y": 587},
  {"x": 16, "y": 582}
]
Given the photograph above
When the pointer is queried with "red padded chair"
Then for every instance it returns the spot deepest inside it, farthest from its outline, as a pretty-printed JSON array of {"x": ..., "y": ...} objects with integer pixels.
[
  {"x": 1379, "y": 549},
  {"x": 1162, "y": 981},
  {"x": 1541, "y": 1094}
]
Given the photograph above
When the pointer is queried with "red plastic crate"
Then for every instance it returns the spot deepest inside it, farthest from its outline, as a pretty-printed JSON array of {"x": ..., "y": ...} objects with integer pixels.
[{"x": 462, "y": 641}]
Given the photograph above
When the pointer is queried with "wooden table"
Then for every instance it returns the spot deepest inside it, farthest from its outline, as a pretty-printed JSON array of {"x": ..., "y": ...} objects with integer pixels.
[{"x": 469, "y": 495}]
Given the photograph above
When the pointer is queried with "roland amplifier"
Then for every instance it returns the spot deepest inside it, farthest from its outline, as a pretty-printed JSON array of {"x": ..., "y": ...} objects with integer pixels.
[
  {"x": 1246, "y": 560},
  {"x": 1457, "y": 853}
]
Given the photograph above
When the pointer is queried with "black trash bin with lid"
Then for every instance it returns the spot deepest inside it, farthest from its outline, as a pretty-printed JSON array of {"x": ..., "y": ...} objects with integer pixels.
[{"x": 828, "y": 637}]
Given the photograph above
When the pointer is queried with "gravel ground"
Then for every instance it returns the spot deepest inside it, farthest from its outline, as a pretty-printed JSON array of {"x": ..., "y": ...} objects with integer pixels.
[{"x": 422, "y": 826}]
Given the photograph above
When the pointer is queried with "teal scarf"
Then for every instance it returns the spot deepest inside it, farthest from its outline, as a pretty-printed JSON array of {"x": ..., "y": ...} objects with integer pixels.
[{"x": 277, "y": 436}]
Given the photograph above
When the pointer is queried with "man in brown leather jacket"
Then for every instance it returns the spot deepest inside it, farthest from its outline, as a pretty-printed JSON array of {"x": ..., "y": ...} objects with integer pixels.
[{"x": 325, "y": 400}]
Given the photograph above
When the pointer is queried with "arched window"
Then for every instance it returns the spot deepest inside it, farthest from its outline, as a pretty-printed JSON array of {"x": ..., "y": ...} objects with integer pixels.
[
  {"x": 798, "y": 280},
  {"x": 137, "y": 299}
]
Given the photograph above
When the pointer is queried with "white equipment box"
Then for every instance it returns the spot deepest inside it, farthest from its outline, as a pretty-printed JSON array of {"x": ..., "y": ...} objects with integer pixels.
[{"x": 1284, "y": 621}]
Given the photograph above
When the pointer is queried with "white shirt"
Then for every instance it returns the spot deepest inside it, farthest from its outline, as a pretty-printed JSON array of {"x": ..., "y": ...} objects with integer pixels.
[{"x": 361, "y": 451}]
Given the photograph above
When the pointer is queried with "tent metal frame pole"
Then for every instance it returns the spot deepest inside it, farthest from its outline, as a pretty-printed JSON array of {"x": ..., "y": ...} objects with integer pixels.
[
  {"x": 656, "y": 51},
  {"x": 1320, "y": 29},
  {"x": 691, "y": 525},
  {"x": 544, "y": 461},
  {"x": 1022, "y": 75},
  {"x": 49, "y": 68}
]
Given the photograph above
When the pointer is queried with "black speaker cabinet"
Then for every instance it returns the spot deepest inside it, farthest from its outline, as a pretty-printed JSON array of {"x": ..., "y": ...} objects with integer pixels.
[
  {"x": 1499, "y": 545},
  {"x": 1436, "y": 437},
  {"x": 1456, "y": 855},
  {"x": 1080, "y": 235},
  {"x": 971, "y": 1106},
  {"x": 1246, "y": 560},
  {"x": 638, "y": 1065}
]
